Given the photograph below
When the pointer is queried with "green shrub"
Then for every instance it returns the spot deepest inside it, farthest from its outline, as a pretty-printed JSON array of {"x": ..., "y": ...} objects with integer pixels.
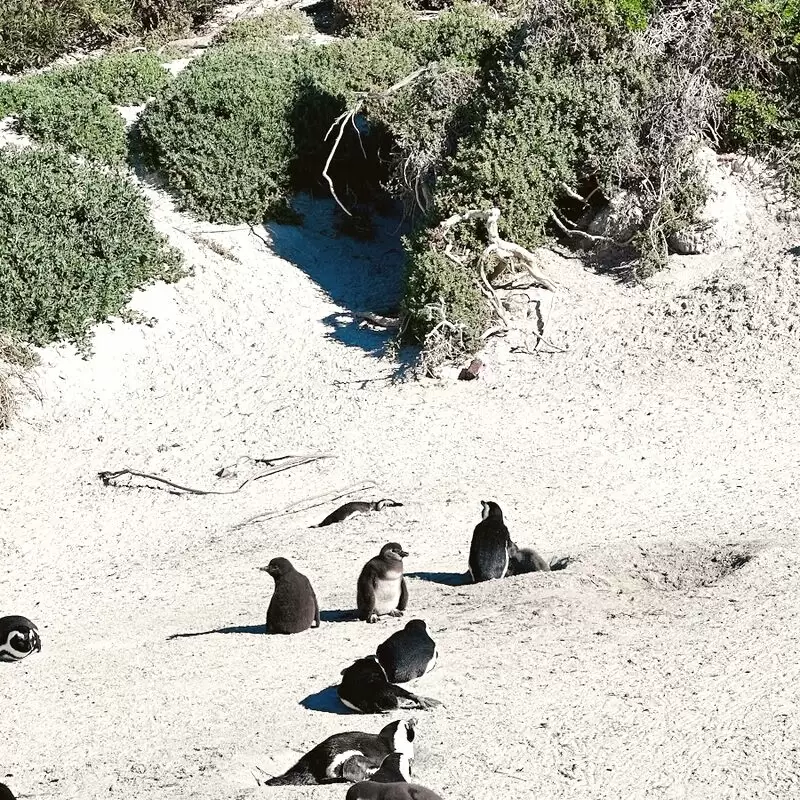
[
  {"x": 123, "y": 79},
  {"x": 83, "y": 123},
  {"x": 242, "y": 126},
  {"x": 273, "y": 24},
  {"x": 371, "y": 17},
  {"x": 75, "y": 240}
]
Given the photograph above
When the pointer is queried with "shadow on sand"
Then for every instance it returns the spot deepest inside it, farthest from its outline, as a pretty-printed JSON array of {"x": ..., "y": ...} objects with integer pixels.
[
  {"x": 445, "y": 578},
  {"x": 326, "y": 700},
  {"x": 232, "y": 629}
]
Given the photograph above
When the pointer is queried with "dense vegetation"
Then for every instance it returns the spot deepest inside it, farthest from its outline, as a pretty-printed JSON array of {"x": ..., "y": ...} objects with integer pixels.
[
  {"x": 545, "y": 109},
  {"x": 35, "y": 32},
  {"x": 75, "y": 240}
]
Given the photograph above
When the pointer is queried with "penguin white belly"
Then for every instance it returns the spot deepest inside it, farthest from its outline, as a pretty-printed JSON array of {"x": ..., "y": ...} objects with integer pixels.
[{"x": 387, "y": 595}]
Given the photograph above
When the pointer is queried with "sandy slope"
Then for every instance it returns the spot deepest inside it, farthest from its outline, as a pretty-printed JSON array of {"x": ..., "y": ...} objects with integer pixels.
[{"x": 659, "y": 446}]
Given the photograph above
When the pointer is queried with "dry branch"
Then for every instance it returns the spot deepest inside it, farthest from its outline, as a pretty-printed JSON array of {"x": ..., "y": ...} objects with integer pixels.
[
  {"x": 293, "y": 461},
  {"x": 390, "y": 323}
]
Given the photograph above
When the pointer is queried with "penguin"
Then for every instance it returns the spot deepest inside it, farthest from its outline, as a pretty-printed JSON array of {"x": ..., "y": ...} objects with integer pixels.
[
  {"x": 19, "y": 637},
  {"x": 351, "y": 756},
  {"x": 381, "y": 586},
  {"x": 357, "y": 507},
  {"x": 396, "y": 768},
  {"x": 491, "y": 542},
  {"x": 408, "y": 654},
  {"x": 6, "y": 793},
  {"x": 523, "y": 560},
  {"x": 364, "y": 688},
  {"x": 293, "y": 607},
  {"x": 400, "y": 790}
]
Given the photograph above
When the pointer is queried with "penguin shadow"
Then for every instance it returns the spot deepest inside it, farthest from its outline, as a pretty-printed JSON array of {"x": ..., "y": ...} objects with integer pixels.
[
  {"x": 445, "y": 578},
  {"x": 326, "y": 700},
  {"x": 259, "y": 629},
  {"x": 339, "y": 615}
]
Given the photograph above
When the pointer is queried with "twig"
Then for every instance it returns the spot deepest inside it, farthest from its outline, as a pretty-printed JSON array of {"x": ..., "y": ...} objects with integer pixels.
[
  {"x": 293, "y": 509},
  {"x": 571, "y": 192},
  {"x": 576, "y": 232},
  {"x": 392, "y": 323},
  {"x": 259, "y": 236},
  {"x": 107, "y": 476}
]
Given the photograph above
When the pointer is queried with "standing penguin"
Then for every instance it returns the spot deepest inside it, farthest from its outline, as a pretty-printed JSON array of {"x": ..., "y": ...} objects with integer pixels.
[
  {"x": 408, "y": 654},
  {"x": 351, "y": 756},
  {"x": 381, "y": 586},
  {"x": 491, "y": 543},
  {"x": 293, "y": 607},
  {"x": 364, "y": 688},
  {"x": 19, "y": 637}
]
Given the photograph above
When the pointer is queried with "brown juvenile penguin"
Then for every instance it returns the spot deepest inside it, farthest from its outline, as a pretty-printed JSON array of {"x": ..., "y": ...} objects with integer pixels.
[
  {"x": 381, "y": 586},
  {"x": 293, "y": 607}
]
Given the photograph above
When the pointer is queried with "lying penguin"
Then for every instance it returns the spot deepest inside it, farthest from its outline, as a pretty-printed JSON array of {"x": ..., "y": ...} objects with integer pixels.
[
  {"x": 489, "y": 552},
  {"x": 408, "y": 654},
  {"x": 364, "y": 688},
  {"x": 351, "y": 756},
  {"x": 522, "y": 560},
  {"x": 356, "y": 507},
  {"x": 293, "y": 607},
  {"x": 381, "y": 586},
  {"x": 19, "y": 637}
]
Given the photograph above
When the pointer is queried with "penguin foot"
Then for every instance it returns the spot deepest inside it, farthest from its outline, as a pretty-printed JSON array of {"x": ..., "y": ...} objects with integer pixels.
[
  {"x": 373, "y": 617},
  {"x": 396, "y": 613}
]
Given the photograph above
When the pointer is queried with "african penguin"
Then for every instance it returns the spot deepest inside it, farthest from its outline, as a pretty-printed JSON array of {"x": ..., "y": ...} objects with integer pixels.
[
  {"x": 489, "y": 551},
  {"x": 524, "y": 559},
  {"x": 5, "y": 793},
  {"x": 19, "y": 637},
  {"x": 293, "y": 607},
  {"x": 373, "y": 790},
  {"x": 351, "y": 756},
  {"x": 396, "y": 768},
  {"x": 357, "y": 507},
  {"x": 408, "y": 654},
  {"x": 381, "y": 586},
  {"x": 364, "y": 688}
]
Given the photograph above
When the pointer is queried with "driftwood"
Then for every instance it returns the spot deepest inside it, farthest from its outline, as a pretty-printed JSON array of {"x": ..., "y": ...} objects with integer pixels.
[{"x": 292, "y": 461}]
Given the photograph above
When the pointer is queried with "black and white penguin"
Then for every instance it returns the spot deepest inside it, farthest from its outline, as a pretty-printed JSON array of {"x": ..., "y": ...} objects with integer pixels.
[
  {"x": 491, "y": 543},
  {"x": 352, "y": 756},
  {"x": 400, "y": 790},
  {"x": 396, "y": 768},
  {"x": 364, "y": 688},
  {"x": 524, "y": 559},
  {"x": 6, "y": 793},
  {"x": 381, "y": 586},
  {"x": 408, "y": 654},
  {"x": 356, "y": 507},
  {"x": 19, "y": 637},
  {"x": 293, "y": 607}
]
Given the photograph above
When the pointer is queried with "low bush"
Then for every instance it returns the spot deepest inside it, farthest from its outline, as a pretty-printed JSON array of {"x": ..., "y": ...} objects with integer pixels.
[
  {"x": 75, "y": 240},
  {"x": 122, "y": 78},
  {"x": 271, "y": 25},
  {"x": 244, "y": 125},
  {"x": 83, "y": 123},
  {"x": 16, "y": 359}
]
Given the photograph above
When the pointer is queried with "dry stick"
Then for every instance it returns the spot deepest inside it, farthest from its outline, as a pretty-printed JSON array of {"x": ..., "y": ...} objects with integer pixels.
[
  {"x": 350, "y": 114},
  {"x": 292, "y": 509},
  {"x": 107, "y": 476},
  {"x": 576, "y": 232},
  {"x": 392, "y": 323}
]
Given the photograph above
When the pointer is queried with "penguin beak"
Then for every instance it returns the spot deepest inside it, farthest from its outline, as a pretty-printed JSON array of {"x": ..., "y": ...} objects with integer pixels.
[{"x": 403, "y": 553}]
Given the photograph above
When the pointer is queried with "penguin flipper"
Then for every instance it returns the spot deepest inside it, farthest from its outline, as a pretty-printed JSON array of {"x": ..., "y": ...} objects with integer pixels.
[
  {"x": 401, "y": 606},
  {"x": 560, "y": 563}
]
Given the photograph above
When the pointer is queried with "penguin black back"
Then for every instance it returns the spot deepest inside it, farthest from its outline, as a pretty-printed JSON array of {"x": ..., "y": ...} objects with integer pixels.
[
  {"x": 5, "y": 793},
  {"x": 293, "y": 607},
  {"x": 355, "y": 507},
  {"x": 491, "y": 543},
  {"x": 19, "y": 637},
  {"x": 408, "y": 654},
  {"x": 364, "y": 688},
  {"x": 350, "y": 756}
]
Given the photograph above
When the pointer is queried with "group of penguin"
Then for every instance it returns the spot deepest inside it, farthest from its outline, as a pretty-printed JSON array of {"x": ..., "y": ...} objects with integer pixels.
[{"x": 378, "y": 765}]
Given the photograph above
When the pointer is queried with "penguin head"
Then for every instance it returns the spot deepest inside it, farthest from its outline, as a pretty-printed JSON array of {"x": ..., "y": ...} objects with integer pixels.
[
  {"x": 278, "y": 567},
  {"x": 490, "y": 509},
  {"x": 400, "y": 735},
  {"x": 19, "y": 637},
  {"x": 417, "y": 625},
  {"x": 393, "y": 552}
]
